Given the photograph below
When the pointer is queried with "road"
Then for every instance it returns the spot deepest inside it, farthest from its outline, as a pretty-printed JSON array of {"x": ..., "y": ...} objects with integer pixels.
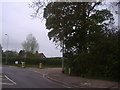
[{"x": 17, "y": 77}]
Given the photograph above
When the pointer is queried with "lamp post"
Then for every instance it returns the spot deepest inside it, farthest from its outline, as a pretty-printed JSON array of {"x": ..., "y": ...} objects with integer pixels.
[
  {"x": 62, "y": 51},
  {"x": 62, "y": 57},
  {"x": 7, "y": 48}
]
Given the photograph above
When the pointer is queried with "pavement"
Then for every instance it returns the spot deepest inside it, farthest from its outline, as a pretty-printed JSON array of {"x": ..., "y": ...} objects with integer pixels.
[{"x": 56, "y": 75}]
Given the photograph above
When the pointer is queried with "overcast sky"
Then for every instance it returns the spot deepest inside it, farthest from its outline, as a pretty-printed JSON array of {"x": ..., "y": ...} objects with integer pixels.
[{"x": 17, "y": 24}]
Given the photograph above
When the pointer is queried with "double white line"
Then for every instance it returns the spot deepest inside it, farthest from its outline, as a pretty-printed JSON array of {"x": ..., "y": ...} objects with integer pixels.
[{"x": 13, "y": 83}]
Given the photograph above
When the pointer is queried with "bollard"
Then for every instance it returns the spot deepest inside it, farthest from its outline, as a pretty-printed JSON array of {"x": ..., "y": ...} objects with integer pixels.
[
  {"x": 23, "y": 64},
  {"x": 40, "y": 65},
  {"x": 69, "y": 71},
  {"x": 62, "y": 70}
]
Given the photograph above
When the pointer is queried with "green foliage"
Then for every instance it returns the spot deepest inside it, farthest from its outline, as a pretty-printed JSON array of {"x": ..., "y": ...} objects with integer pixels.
[
  {"x": 12, "y": 56},
  {"x": 44, "y": 61},
  {"x": 102, "y": 61},
  {"x": 90, "y": 41},
  {"x": 34, "y": 60},
  {"x": 30, "y": 44},
  {"x": 21, "y": 53},
  {"x": 30, "y": 59}
]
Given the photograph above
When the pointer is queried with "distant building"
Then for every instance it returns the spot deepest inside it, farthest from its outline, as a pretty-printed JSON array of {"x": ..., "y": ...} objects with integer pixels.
[{"x": 42, "y": 55}]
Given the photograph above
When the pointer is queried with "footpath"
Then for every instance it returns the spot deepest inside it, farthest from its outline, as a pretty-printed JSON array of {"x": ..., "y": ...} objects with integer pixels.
[{"x": 56, "y": 75}]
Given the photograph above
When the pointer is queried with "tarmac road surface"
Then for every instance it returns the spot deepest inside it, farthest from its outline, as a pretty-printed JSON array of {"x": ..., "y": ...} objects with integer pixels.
[{"x": 17, "y": 77}]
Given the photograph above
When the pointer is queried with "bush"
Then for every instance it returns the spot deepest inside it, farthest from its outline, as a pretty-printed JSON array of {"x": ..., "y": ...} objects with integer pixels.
[
  {"x": 94, "y": 65},
  {"x": 45, "y": 61}
]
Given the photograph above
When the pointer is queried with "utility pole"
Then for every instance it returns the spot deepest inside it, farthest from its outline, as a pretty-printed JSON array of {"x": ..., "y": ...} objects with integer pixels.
[
  {"x": 62, "y": 51},
  {"x": 7, "y": 48},
  {"x": 63, "y": 57}
]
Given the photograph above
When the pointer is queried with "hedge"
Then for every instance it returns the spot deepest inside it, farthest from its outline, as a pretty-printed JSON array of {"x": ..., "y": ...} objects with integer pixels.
[{"x": 34, "y": 60}]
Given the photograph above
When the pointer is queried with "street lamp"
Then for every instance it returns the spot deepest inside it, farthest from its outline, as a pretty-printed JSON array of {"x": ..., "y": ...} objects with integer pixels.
[
  {"x": 62, "y": 51},
  {"x": 7, "y": 48},
  {"x": 63, "y": 57}
]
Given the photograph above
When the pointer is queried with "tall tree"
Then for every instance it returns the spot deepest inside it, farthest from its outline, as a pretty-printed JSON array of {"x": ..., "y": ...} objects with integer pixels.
[
  {"x": 30, "y": 44},
  {"x": 90, "y": 41},
  {"x": 76, "y": 23},
  {"x": 85, "y": 31}
]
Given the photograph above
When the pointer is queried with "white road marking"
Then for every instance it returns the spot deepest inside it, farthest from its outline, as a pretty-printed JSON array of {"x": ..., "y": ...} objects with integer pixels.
[
  {"x": 1, "y": 77},
  {"x": 10, "y": 79},
  {"x": 7, "y": 83}
]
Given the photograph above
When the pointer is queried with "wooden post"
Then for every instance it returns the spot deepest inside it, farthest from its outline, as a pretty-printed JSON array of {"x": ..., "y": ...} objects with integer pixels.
[{"x": 69, "y": 71}]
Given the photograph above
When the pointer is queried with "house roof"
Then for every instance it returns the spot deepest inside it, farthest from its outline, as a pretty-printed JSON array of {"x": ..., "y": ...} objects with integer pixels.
[{"x": 42, "y": 55}]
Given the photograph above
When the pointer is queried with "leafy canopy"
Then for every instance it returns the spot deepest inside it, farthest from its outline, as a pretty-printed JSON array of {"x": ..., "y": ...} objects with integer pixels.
[
  {"x": 78, "y": 24},
  {"x": 30, "y": 44}
]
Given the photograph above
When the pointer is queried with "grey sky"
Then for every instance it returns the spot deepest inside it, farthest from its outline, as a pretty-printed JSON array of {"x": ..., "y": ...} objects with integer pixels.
[
  {"x": 17, "y": 23},
  {"x": 0, "y": 22}
]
